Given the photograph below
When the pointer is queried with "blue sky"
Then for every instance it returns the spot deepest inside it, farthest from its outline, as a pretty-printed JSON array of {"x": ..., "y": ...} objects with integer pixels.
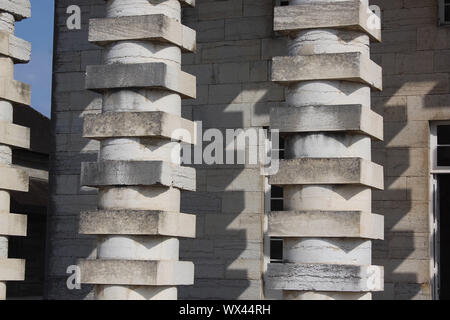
[{"x": 38, "y": 73}]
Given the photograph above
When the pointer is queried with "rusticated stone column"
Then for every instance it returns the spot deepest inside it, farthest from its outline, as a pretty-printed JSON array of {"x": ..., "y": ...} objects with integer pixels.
[
  {"x": 12, "y": 50},
  {"x": 138, "y": 173},
  {"x": 327, "y": 176}
]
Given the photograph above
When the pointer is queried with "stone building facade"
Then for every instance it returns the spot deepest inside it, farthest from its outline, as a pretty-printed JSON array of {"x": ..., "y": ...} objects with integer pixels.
[{"x": 236, "y": 42}]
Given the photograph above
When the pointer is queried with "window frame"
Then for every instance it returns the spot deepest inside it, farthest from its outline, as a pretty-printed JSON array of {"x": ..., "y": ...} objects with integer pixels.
[
  {"x": 442, "y": 7},
  {"x": 434, "y": 168}
]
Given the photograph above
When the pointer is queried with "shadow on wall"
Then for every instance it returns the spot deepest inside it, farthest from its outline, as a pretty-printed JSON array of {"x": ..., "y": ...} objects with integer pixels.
[
  {"x": 233, "y": 91},
  {"x": 411, "y": 82}
]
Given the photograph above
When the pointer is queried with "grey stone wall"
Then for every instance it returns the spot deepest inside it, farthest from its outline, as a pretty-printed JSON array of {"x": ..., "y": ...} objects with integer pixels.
[
  {"x": 234, "y": 39},
  {"x": 70, "y": 101},
  {"x": 415, "y": 59}
]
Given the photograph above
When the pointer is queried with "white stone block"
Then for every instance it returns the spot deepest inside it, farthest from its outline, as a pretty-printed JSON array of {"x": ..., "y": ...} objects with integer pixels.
[
  {"x": 14, "y": 135},
  {"x": 130, "y": 222},
  {"x": 351, "y": 66},
  {"x": 19, "y": 50},
  {"x": 137, "y": 272},
  {"x": 136, "y": 124},
  {"x": 324, "y": 277},
  {"x": 12, "y": 270},
  {"x": 15, "y": 91},
  {"x": 334, "y": 118},
  {"x": 319, "y": 171},
  {"x": 330, "y": 224},
  {"x": 20, "y": 9},
  {"x": 157, "y": 27},
  {"x": 350, "y": 15},
  {"x": 13, "y": 179},
  {"x": 13, "y": 225},
  {"x": 140, "y": 75},
  {"x": 137, "y": 173}
]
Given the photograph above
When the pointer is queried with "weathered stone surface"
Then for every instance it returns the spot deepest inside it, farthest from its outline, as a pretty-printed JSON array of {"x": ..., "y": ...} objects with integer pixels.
[
  {"x": 20, "y": 9},
  {"x": 137, "y": 124},
  {"x": 324, "y": 277},
  {"x": 12, "y": 270},
  {"x": 14, "y": 135},
  {"x": 15, "y": 91},
  {"x": 332, "y": 224},
  {"x": 350, "y": 66},
  {"x": 13, "y": 224},
  {"x": 129, "y": 222},
  {"x": 190, "y": 3},
  {"x": 157, "y": 27},
  {"x": 351, "y": 15},
  {"x": 352, "y": 118},
  {"x": 137, "y": 272},
  {"x": 13, "y": 179},
  {"x": 134, "y": 173},
  {"x": 306, "y": 171},
  {"x": 19, "y": 50},
  {"x": 140, "y": 75}
]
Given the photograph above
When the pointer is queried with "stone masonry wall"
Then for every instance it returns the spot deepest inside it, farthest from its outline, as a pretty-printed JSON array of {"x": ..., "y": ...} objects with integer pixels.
[
  {"x": 234, "y": 42},
  {"x": 414, "y": 55},
  {"x": 70, "y": 102}
]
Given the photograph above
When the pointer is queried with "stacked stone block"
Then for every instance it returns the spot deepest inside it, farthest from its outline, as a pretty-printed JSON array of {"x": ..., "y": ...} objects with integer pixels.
[
  {"x": 327, "y": 176},
  {"x": 138, "y": 173},
  {"x": 12, "y": 50}
]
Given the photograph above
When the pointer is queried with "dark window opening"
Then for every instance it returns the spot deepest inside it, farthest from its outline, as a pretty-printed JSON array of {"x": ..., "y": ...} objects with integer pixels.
[
  {"x": 443, "y": 145},
  {"x": 444, "y": 12},
  {"x": 276, "y": 198},
  {"x": 444, "y": 236},
  {"x": 276, "y": 250}
]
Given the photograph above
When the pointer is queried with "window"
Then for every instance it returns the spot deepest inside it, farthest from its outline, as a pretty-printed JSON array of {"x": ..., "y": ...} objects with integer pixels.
[
  {"x": 439, "y": 209},
  {"x": 276, "y": 204},
  {"x": 279, "y": 3},
  {"x": 276, "y": 250},
  {"x": 440, "y": 146},
  {"x": 444, "y": 12}
]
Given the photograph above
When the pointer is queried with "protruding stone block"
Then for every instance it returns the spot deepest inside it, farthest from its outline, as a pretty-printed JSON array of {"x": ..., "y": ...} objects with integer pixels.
[
  {"x": 13, "y": 179},
  {"x": 321, "y": 295},
  {"x": 130, "y": 222},
  {"x": 137, "y": 272},
  {"x": 140, "y": 75},
  {"x": 351, "y": 118},
  {"x": 157, "y": 27},
  {"x": 351, "y": 66},
  {"x": 190, "y": 3},
  {"x": 14, "y": 135},
  {"x": 13, "y": 224},
  {"x": 15, "y": 91},
  {"x": 324, "y": 277},
  {"x": 20, "y": 9},
  {"x": 138, "y": 124},
  {"x": 11, "y": 46},
  {"x": 135, "y": 173},
  {"x": 317, "y": 171},
  {"x": 328, "y": 224},
  {"x": 12, "y": 269},
  {"x": 349, "y": 15}
]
